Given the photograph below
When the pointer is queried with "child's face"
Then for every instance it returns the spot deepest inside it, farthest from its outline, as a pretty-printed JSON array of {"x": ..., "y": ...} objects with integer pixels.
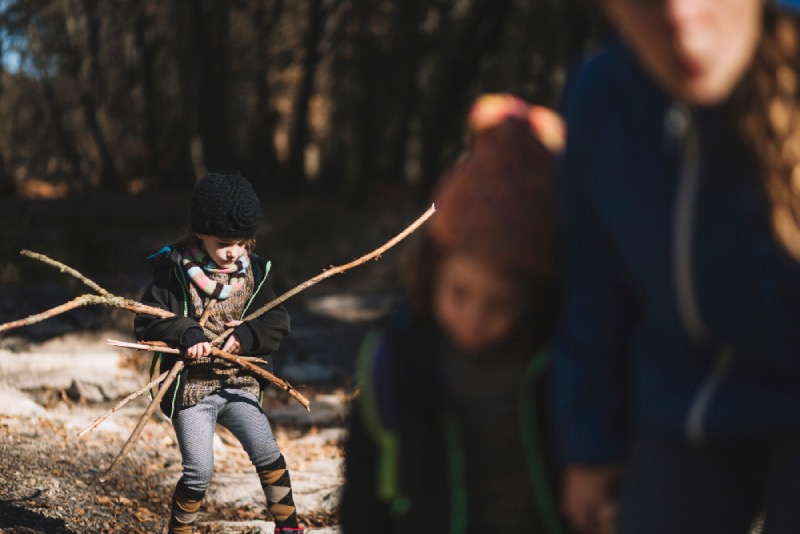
[
  {"x": 223, "y": 251},
  {"x": 475, "y": 304}
]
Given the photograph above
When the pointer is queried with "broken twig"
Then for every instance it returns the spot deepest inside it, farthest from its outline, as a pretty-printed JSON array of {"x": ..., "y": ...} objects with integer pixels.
[
  {"x": 145, "y": 416},
  {"x": 122, "y": 403}
]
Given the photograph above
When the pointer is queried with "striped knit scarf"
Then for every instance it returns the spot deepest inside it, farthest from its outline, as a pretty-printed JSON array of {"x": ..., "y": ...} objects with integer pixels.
[{"x": 196, "y": 263}]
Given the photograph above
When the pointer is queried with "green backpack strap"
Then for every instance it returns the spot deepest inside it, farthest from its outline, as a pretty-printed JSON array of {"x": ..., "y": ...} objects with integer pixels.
[
  {"x": 533, "y": 443},
  {"x": 387, "y": 486}
]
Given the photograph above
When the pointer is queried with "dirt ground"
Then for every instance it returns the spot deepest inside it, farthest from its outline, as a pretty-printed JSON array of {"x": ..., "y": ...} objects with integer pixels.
[{"x": 50, "y": 478}]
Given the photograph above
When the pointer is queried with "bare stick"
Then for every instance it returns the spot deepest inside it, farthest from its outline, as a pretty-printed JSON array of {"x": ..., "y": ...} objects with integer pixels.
[
  {"x": 66, "y": 269},
  {"x": 207, "y": 312},
  {"x": 143, "y": 420},
  {"x": 122, "y": 403},
  {"x": 245, "y": 363},
  {"x": 84, "y": 300},
  {"x": 88, "y": 300},
  {"x": 375, "y": 254}
]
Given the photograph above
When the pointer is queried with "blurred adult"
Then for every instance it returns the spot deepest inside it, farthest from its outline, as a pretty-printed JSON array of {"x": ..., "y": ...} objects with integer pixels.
[{"x": 677, "y": 367}]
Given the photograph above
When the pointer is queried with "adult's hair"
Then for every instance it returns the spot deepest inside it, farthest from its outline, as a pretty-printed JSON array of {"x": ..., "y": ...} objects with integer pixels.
[{"x": 768, "y": 107}]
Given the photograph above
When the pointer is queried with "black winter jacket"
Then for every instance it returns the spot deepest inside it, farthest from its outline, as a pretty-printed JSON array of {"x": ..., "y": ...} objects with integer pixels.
[
  {"x": 405, "y": 467},
  {"x": 169, "y": 290}
]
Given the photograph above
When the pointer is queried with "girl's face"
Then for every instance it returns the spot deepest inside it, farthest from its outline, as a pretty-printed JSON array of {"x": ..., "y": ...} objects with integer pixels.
[
  {"x": 697, "y": 50},
  {"x": 476, "y": 305},
  {"x": 223, "y": 251}
]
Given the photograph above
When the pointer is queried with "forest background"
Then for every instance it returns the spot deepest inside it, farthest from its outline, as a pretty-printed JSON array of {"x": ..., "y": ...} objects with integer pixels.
[{"x": 343, "y": 113}]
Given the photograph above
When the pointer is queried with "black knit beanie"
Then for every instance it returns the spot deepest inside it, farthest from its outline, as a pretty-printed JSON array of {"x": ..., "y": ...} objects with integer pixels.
[{"x": 224, "y": 205}]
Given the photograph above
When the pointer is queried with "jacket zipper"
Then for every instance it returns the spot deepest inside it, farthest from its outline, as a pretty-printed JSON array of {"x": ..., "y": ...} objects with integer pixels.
[
  {"x": 679, "y": 122},
  {"x": 698, "y": 409}
]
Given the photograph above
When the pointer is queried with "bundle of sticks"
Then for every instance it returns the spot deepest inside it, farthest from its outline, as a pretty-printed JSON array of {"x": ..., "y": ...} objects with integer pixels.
[{"x": 103, "y": 297}]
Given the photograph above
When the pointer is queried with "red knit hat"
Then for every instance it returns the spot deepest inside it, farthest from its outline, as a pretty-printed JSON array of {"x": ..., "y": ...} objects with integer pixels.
[{"x": 497, "y": 201}]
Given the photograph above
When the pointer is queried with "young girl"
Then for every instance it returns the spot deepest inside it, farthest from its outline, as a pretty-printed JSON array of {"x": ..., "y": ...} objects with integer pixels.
[
  {"x": 678, "y": 354},
  {"x": 450, "y": 433},
  {"x": 215, "y": 278}
]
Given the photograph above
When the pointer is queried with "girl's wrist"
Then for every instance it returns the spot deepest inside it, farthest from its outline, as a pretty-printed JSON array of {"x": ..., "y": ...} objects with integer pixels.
[
  {"x": 191, "y": 337},
  {"x": 246, "y": 337}
]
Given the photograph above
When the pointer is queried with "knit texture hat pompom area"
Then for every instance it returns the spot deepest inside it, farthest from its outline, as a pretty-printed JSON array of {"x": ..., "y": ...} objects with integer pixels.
[
  {"x": 224, "y": 205},
  {"x": 497, "y": 200}
]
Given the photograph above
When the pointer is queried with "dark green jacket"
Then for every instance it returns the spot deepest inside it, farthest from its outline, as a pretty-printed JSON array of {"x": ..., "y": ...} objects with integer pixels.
[{"x": 169, "y": 290}]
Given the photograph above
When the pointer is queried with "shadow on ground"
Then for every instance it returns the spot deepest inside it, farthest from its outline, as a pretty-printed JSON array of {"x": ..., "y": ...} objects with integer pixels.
[{"x": 23, "y": 521}]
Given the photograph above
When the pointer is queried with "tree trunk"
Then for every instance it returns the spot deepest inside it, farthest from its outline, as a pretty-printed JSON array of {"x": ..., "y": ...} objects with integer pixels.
[
  {"x": 87, "y": 91},
  {"x": 472, "y": 38},
  {"x": 263, "y": 155},
  {"x": 64, "y": 139},
  {"x": 5, "y": 180},
  {"x": 142, "y": 22},
  {"x": 212, "y": 66},
  {"x": 408, "y": 47},
  {"x": 298, "y": 130},
  {"x": 364, "y": 101},
  {"x": 185, "y": 156}
]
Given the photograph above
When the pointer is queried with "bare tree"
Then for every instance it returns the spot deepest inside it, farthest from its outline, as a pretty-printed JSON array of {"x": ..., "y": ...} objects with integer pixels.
[{"x": 158, "y": 92}]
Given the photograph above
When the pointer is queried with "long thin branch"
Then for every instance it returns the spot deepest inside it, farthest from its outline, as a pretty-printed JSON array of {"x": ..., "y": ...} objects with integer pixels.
[
  {"x": 84, "y": 300},
  {"x": 110, "y": 301},
  {"x": 66, "y": 269},
  {"x": 374, "y": 255},
  {"x": 263, "y": 373},
  {"x": 122, "y": 403},
  {"x": 143, "y": 420}
]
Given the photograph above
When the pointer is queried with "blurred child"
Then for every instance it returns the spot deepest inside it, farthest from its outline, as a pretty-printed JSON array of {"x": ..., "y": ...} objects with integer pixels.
[
  {"x": 215, "y": 272},
  {"x": 450, "y": 431}
]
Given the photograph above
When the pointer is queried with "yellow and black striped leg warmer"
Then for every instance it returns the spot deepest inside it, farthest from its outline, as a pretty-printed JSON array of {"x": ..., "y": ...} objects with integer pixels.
[
  {"x": 277, "y": 488},
  {"x": 185, "y": 505}
]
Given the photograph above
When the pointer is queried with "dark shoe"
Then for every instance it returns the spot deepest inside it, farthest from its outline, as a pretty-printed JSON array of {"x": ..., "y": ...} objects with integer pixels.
[{"x": 289, "y": 530}]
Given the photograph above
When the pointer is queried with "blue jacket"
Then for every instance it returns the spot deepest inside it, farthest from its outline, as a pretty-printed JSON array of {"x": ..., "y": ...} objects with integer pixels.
[{"x": 681, "y": 312}]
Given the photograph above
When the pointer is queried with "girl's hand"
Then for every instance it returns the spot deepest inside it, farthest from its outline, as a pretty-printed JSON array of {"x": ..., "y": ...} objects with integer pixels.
[
  {"x": 588, "y": 500},
  {"x": 232, "y": 344},
  {"x": 198, "y": 350}
]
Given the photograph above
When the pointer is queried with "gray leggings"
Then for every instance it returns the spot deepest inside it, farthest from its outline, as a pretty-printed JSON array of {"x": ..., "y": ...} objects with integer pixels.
[{"x": 236, "y": 410}]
